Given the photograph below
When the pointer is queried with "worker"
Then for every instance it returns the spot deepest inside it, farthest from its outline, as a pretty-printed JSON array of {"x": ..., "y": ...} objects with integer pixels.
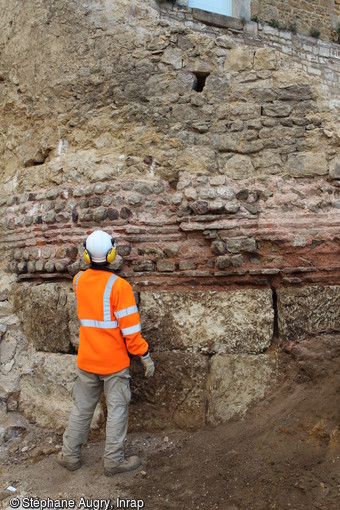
[{"x": 110, "y": 331}]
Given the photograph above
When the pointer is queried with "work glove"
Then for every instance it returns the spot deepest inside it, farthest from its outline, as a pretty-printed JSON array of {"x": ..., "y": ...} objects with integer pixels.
[{"x": 148, "y": 364}]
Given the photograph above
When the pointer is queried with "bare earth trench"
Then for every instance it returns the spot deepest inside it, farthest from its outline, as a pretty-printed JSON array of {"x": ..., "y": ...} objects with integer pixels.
[{"x": 285, "y": 454}]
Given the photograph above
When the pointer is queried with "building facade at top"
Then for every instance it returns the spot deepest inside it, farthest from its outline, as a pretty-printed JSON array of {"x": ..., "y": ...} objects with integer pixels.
[{"x": 319, "y": 17}]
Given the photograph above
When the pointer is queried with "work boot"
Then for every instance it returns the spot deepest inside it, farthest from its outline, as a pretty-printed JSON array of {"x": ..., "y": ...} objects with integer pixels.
[
  {"x": 71, "y": 466},
  {"x": 128, "y": 464}
]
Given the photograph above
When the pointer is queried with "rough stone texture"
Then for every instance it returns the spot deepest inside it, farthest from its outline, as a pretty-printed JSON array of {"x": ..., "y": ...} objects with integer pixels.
[
  {"x": 308, "y": 311},
  {"x": 265, "y": 58},
  {"x": 322, "y": 15},
  {"x": 73, "y": 322},
  {"x": 44, "y": 315},
  {"x": 308, "y": 165},
  {"x": 176, "y": 395},
  {"x": 236, "y": 383},
  {"x": 239, "y": 59},
  {"x": 182, "y": 139},
  {"x": 239, "y": 167},
  {"x": 45, "y": 394},
  {"x": 260, "y": 118},
  {"x": 209, "y": 322},
  {"x": 13, "y": 363}
]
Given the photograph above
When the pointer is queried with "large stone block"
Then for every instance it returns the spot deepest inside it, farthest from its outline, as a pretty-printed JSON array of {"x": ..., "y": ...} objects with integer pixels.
[
  {"x": 236, "y": 383},
  {"x": 210, "y": 322},
  {"x": 307, "y": 164},
  {"x": 265, "y": 58},
  {"x": 46, "y": 393},
  {"x": 239, "y": 59},
  {"x": 239, "y": 167},
  {"x": 308, "y": 310},
  {"x": 174, "y": 397},
  {"x": 334, "y": 169},
  {"x": 44, "y": 314}
]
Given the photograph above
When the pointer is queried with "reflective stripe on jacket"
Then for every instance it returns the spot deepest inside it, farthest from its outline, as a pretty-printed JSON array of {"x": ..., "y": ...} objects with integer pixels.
[{"x": 109, "y": 322}]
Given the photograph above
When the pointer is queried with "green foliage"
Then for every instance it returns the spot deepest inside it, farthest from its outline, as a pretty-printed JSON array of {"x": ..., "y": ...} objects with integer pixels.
[
  {"x": 338, "y": 32},
  {"x": 243, "y": 21},
  {"x": 255, "y": 18},
  {"x": 293, "y": 28},
  {"x": 314, "y": 32},
  {"x": 273, "y": 23}
]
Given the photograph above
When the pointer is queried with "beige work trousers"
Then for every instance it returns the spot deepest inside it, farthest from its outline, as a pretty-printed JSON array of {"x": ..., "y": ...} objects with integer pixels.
[{"x": 86, "y": 393}]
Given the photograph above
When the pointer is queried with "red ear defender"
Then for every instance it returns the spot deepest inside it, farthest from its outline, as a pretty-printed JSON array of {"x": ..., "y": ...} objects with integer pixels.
[
  {"x": 111, "y": 254},
  {"x": 86, "y": 254}
]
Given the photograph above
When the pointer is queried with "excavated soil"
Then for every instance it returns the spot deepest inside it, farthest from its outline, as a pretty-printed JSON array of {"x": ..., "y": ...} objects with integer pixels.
[{"x": 283, "y": 455}]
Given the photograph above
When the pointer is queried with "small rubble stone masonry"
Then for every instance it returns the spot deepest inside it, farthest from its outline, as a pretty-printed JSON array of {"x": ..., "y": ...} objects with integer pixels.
[{"x": 211, "y": 154}]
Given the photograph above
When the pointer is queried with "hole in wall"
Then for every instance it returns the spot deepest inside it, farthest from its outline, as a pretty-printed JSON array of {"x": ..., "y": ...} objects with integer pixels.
[{"x": 199, "y": 82}]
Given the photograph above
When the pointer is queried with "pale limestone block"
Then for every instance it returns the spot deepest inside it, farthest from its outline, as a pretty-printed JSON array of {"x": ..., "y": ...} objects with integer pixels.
[
  {"x": 46, "y": 393},
  {"x": 265, "y": 58},
  {"x": 174, "y": 57},
  {"x": 210, "y": 322},
  {"x": 239, "y": 167},
  {"x": 307, "y": 164},
  {"x": 240, "y": 58},
  {"x": 7, "y": 349},
  {"x": 236, "y": 383}
]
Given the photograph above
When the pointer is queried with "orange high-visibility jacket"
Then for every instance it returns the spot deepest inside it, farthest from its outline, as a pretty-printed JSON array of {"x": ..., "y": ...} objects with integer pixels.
[{"x": 109, "y": 322}]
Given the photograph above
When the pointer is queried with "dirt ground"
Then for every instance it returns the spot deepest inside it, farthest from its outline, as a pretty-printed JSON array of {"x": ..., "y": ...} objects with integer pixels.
[{"x": 285, "y": 454}]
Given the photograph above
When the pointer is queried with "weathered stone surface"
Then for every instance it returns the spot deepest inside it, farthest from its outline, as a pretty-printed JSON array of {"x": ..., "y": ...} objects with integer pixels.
[
  {"x": 223, "y": 262},
  {"x": 236, "y": 383},
  {"x": 334, "y": 169},
  {"x": 43, "y": 312},
  {"x": 73, "y": 322},
  {"x": 307, "y": 164},
  {"x": 239, "y": 167},
  {"x": 166, "y": 266},
  {"x": 239, "y": 59},
  {"x": 249, "y": 245},
  {"x": 265, "y": 58},
  {"x": 238, "y": 321},
  {"x": 218, "y": 247},
  {"x": 231, "y": 207},
  {"x": 155, "y": 405},
  {"x": 308, "y": 310},
  {"x": 143, "y": 265},
  {"x": 234, "y": 245},
  {"x": 46, "y": 394},
  {"x": 277, "y": 110},
  {"x": 237, "y": 260},
  {"x": 134, "y": 129}
]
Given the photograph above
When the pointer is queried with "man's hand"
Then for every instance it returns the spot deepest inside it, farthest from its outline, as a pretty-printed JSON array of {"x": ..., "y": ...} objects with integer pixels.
[{"x": 148, "y": 365}]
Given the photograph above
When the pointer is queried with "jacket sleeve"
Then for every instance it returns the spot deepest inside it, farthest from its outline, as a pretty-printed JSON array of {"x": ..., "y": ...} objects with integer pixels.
[{"x": 126, "y": 312}]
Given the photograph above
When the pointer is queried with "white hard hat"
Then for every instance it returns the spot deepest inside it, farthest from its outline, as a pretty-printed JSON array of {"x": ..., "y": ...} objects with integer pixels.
[{"x": 98, "y": 244}]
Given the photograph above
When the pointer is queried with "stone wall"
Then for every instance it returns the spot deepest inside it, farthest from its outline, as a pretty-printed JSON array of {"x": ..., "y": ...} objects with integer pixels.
[
  {"x": 299, "y": 16},
  {"x": 323, "y": 15},
  {"x": 211, "y": 154},
  {"x": 316, "y": 57}
]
